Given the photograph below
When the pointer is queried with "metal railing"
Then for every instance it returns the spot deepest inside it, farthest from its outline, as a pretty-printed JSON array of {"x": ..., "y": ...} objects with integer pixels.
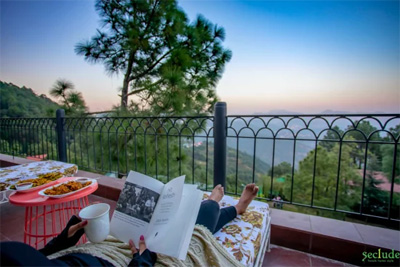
[{"x": 336, "y": 162}]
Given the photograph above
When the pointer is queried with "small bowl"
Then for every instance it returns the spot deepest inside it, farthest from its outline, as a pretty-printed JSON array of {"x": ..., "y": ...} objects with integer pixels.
[
  {"x": 82, "y": 180},
  {"x": 23, "y": 186}
]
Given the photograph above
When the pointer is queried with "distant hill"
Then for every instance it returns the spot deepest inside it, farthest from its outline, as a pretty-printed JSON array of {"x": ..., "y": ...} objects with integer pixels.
[
  {"x": 276, "y": 112},
  {"x": 17, "y": 102}
]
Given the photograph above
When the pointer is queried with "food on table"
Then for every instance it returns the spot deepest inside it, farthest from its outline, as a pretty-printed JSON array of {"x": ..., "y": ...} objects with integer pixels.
[
  {"x": 51, "y": 175},
  {"x": 3, "y": 186},
  {"x": 66, "y": 188},
  {"x": 41, "y": 180},
  {"x": 70, "y": 171},
  {"x": 82, "y": 180}
]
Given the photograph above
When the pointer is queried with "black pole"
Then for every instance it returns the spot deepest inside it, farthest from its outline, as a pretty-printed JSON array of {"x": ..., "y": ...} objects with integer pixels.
[
  {"x": 220, "y": 143},
  {"x": 61, "y": 140}
]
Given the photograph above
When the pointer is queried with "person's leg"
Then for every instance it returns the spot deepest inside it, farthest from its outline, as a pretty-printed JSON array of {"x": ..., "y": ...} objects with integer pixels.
[
  {"x": 226, "y": 215},
  {"x": 208, "y": 214},
  {"x": 249, "y": 193},
  {"x": 230, "y": 213},
  {"x": 213, "y": 218},
  {"x": 209, "y": 210},
  {"x": 20, "y": 254}
]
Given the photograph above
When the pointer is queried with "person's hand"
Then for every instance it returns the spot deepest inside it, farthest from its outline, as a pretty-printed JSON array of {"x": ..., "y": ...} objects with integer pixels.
[
  {"x": 142, "y": 245},
  {"x": 74, "y": 228},
  {"x": 68, "y": 237}
]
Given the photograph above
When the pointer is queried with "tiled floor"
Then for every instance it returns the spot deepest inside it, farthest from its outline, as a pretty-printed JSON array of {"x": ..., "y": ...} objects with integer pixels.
[
  {"x": 12, "y": 225},
  {"x": 280, "y": 256}
]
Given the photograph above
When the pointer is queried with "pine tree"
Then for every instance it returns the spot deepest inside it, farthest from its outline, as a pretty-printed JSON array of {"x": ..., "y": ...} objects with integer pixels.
[{"x": 170, "y": 65}]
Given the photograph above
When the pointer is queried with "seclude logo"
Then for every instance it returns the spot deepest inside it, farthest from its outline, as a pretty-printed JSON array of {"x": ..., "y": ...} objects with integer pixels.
[{"x": 381, "y": 256}]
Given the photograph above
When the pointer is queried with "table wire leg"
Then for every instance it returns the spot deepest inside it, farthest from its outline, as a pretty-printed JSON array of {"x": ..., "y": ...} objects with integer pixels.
[
  {"x": 69, "y": 210},
  {"x": 63, "y": 216},
  {"x": 84, "y": 204},
  {"x": 66, "y": 211},
  {"x": 53, "y": 221},
  {"x": 74, "y": 207},
  {"x": 44, "y": 226},
  {"x": 30, "y": 225},
  {"x": 60, "y": 215},
  {"x": 26, "y": 224},
  {"x": 36, "y": 226}
]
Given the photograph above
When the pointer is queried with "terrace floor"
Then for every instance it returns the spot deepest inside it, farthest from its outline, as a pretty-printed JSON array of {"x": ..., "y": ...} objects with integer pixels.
[{"x": 12, "y": 225}]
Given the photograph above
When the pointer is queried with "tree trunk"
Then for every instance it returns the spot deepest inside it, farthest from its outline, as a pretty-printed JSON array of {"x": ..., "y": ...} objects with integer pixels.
[{"x": 124, "y": 93}]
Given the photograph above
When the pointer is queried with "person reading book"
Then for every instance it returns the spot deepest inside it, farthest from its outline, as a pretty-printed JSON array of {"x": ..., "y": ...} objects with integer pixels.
[{"x": 210, "y": 216}]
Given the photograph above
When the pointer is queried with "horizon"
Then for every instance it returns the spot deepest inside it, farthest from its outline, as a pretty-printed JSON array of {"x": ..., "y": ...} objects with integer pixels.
[{"x": 318, "y": 56}]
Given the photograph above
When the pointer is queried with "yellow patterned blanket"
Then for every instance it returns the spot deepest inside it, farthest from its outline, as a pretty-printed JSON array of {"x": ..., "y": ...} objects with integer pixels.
[
  {"x": 246, "y": 237},
  {"x": 204, "y": 250}
]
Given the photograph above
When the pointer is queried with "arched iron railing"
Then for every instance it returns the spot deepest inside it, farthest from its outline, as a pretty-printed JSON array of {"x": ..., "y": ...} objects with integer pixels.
[{"x": 349, "y": 163}]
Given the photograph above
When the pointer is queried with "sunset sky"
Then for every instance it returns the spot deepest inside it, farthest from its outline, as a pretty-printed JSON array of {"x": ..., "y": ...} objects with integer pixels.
[{"x": 299, "y": 56}]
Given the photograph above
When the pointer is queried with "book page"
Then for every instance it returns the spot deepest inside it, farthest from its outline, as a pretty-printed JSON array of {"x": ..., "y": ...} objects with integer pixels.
[
  {"x": 165, "y": 211},
  {"x": 135, "y": 206},
  {"x": 175, "y": 239}
]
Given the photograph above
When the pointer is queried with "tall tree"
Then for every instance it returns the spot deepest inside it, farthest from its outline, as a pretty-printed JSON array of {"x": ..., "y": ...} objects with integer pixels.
[
  {"x": 71, "y": 100},
  {"x": 61, "y": 89},
  {"x": 168, "y": 63},
  {"x": 360, "y": 135},
  {"x": 333, "y": 136}
]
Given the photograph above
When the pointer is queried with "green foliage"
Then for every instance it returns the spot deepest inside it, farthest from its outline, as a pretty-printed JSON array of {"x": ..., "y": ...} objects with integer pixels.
[
  {"x": 282, "y": 169},
  {"x": 375, "y": 200},
  {"x": 171, "y": 66},
  {"x": 16, "y": 102},
  {"x": 325, "y": 182},
  {"x": 334, "y": 135},
  {"x": 364, "y": 131},
  {"x": 71, "y": 101}
]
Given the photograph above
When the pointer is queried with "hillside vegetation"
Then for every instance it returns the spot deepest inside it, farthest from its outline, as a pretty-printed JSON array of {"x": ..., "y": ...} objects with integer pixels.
[{"x": 22, "y": 102}]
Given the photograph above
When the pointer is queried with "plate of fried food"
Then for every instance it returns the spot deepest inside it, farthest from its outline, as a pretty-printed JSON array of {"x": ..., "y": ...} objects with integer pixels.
[
  {"x": 67, "y": 188},
  {"x": 42, "y": 181}
]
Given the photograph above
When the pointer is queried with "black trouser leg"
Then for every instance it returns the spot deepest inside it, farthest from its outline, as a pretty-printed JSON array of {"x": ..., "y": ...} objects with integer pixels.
[
  {"x": 214, "y": 218},
  {"x": 226, "y": 215},
  {"x": 20, "y": 254}
]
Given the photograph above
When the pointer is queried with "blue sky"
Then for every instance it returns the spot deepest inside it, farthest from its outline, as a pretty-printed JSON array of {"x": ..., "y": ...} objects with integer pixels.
[{"x": 302, "y": 56}]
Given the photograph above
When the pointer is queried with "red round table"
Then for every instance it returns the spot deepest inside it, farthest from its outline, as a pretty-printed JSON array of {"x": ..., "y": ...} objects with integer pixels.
[{"x": 42, "y": 213}]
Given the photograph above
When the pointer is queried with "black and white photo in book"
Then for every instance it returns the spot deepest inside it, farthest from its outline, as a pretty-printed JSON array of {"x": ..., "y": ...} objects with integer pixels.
[{"x": 137, "y": 201}]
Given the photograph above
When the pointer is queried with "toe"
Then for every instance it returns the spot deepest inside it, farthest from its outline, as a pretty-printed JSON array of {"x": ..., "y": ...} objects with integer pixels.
[{"x": 255, "y": 190}]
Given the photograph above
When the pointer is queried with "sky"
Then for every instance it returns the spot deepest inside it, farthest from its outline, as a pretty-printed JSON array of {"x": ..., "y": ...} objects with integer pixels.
[{"x": 297, "y": 56}]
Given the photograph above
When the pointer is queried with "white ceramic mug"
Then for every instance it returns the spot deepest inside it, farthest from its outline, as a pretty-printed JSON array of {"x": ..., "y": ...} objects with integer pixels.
[{"x": 98, "y": 226}]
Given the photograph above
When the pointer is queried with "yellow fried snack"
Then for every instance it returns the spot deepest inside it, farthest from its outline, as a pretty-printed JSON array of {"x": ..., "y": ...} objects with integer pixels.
[
  {"x": 52, "y": 176},
  {"x": 3, "y": 186},
  {"x": 66, "y": 188},
  {"x": 42, "y": 179}
]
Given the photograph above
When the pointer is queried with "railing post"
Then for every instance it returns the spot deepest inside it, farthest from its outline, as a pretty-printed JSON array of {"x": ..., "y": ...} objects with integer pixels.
[
  {"x": 220, "y": 123},
  {"x": 61, "y": 139}
]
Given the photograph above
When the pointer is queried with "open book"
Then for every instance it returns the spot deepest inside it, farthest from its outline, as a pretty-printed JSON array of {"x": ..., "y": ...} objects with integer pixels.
[{"x": 164, "y": 214}]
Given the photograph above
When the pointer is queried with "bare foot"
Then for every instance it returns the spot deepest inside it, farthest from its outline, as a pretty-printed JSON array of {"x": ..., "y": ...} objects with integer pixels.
[
  {"x": 217, "y": 194},
  {"x": 248, "y": 194}
]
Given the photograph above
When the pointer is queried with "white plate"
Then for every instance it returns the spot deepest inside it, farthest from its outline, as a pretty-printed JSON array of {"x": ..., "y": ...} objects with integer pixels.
[
  {"x": 41, "y": 192},
  {"x": 33, "y": 188}
]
